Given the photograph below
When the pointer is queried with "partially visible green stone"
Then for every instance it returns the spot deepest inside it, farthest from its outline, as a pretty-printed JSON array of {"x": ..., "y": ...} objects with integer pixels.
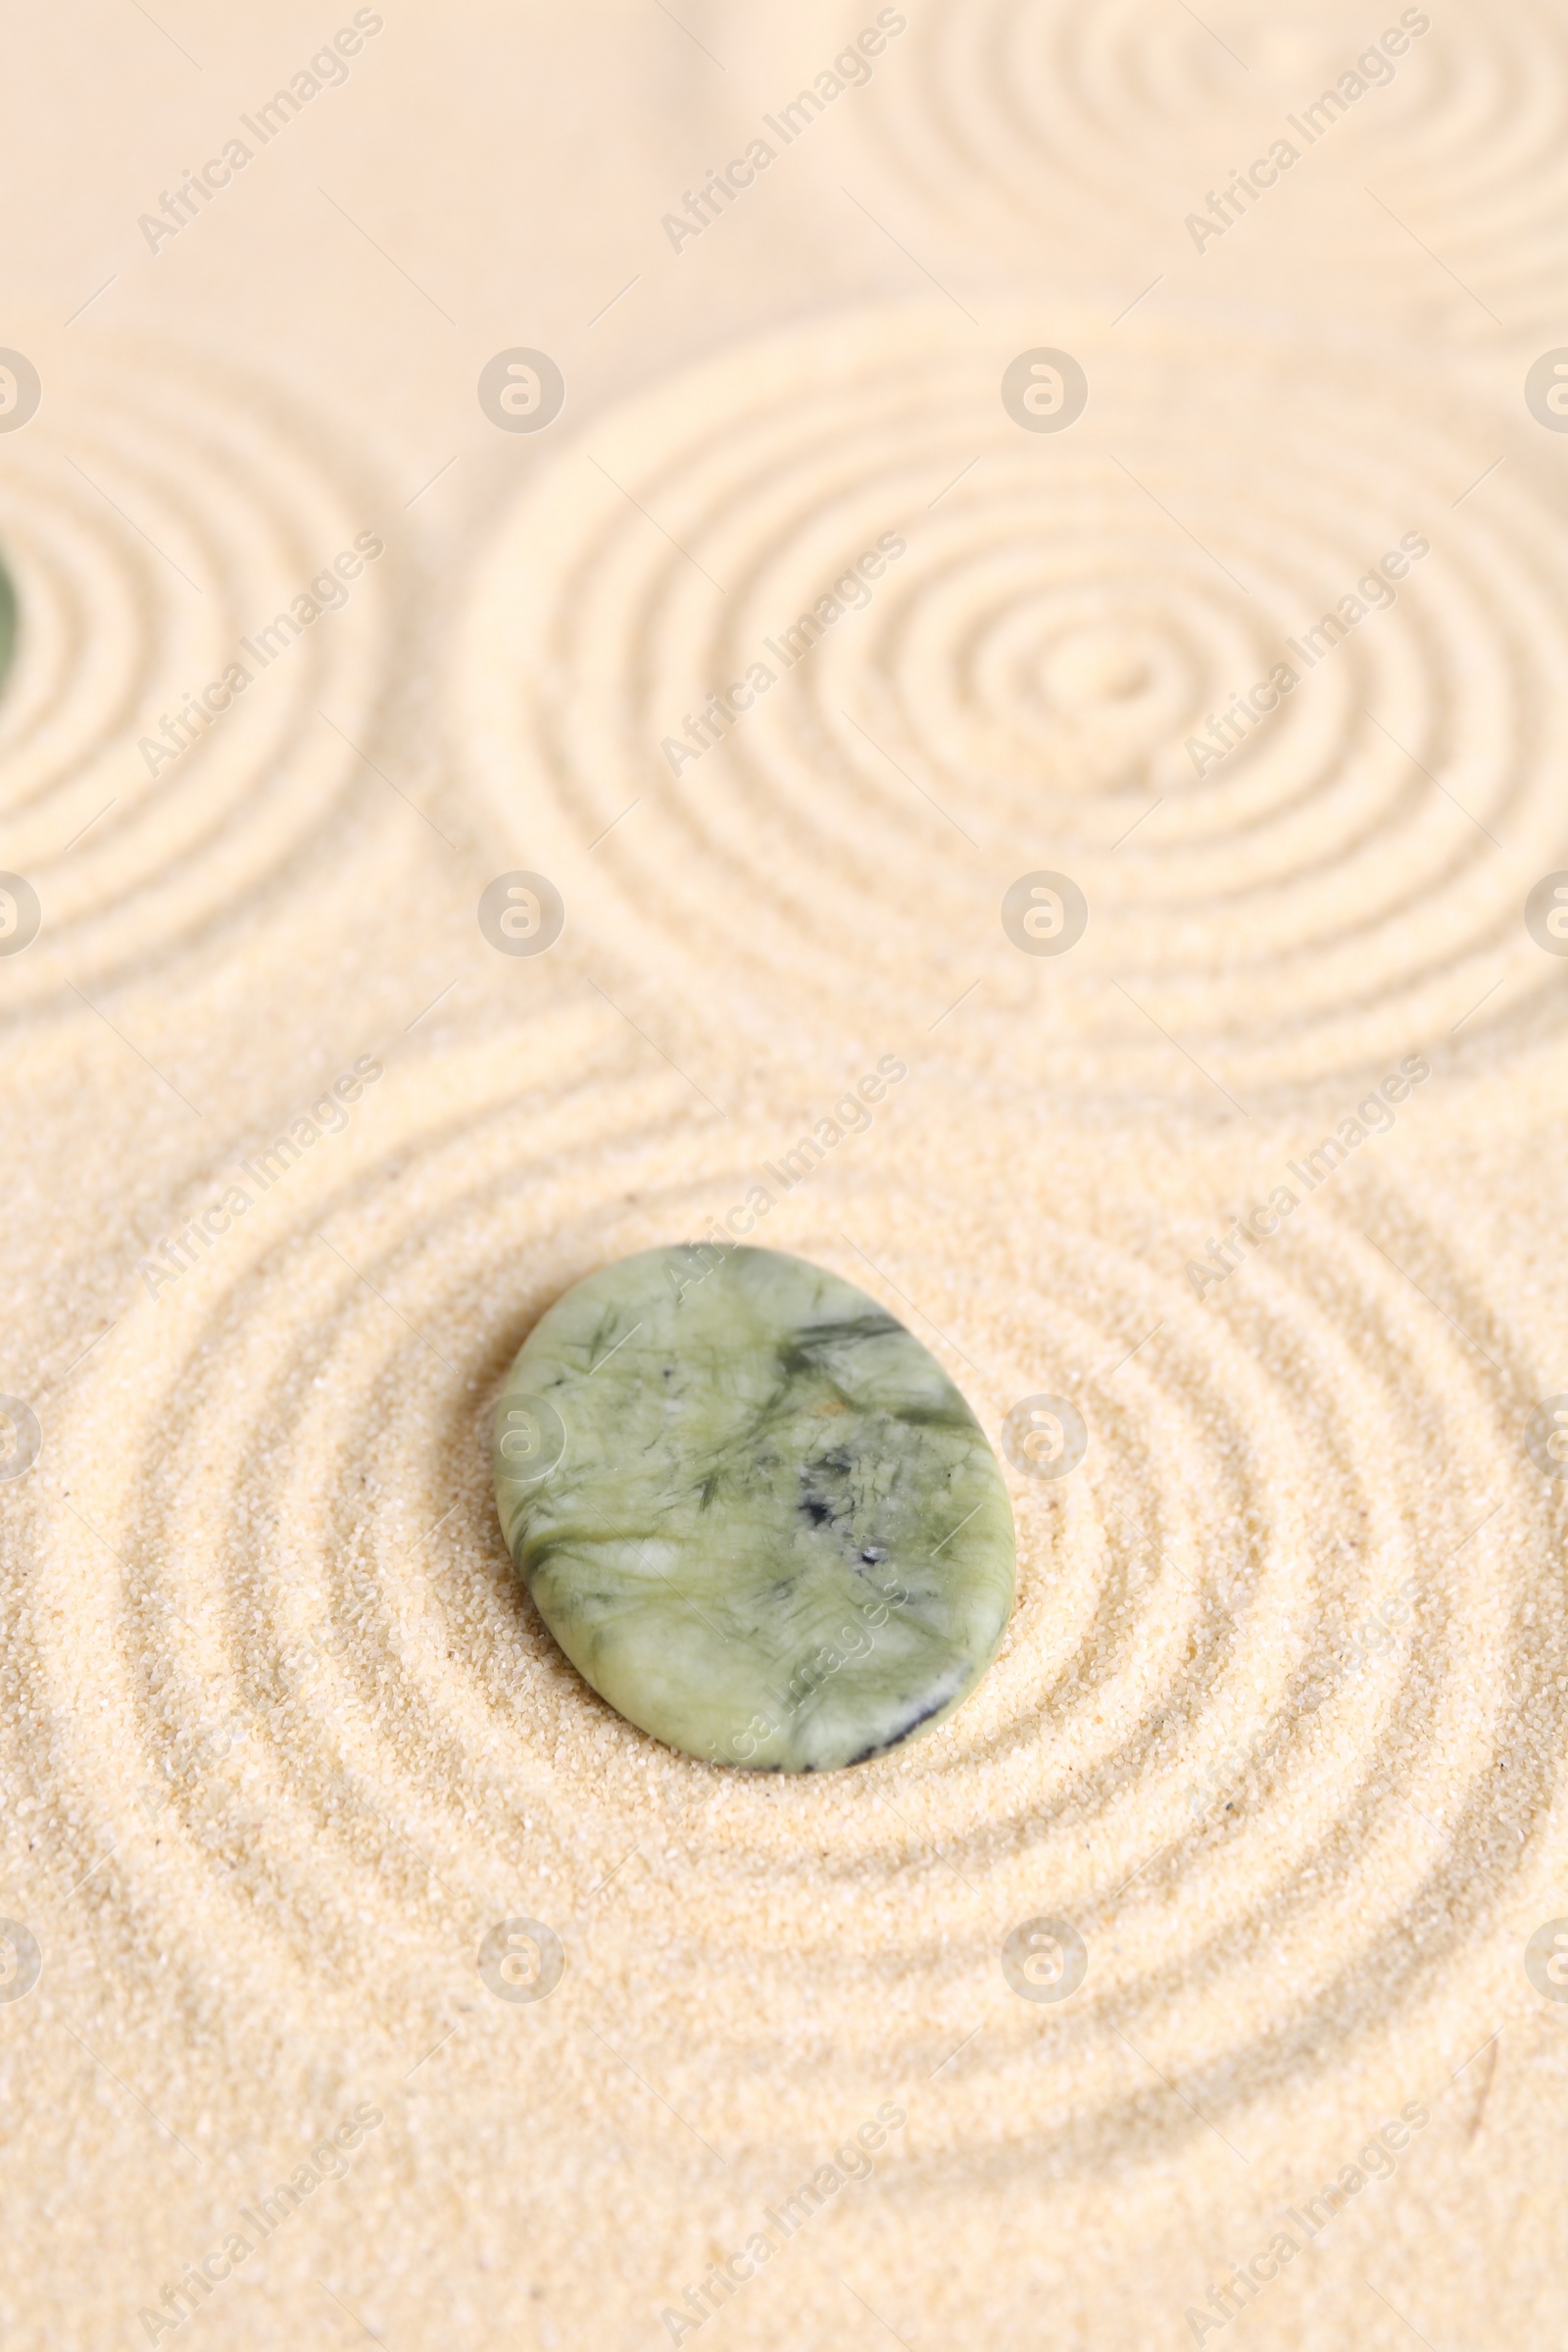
[
  {"x": 8, "y": 621},
  {"x": 753, "y": 1509}
]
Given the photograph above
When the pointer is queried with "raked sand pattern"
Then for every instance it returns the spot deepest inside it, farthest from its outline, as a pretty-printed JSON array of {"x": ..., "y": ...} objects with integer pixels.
[
  {"x": 887, "y": 650},
  {"x": 162, "y": 544},
  {"x": 1409, "y": 159},
  {"x": 360, "y": 1970}
]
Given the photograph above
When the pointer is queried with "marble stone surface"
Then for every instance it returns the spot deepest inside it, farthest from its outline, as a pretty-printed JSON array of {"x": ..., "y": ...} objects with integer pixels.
[{"x": 752, "y": 1508}]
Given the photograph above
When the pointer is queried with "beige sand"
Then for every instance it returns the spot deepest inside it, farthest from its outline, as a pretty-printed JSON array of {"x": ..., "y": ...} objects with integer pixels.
[{"x": 1278, "y": 1723}]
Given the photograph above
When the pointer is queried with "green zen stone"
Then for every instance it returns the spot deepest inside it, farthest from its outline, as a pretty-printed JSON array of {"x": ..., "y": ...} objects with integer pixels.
[
  {"x": 753, "y": 1509},
  {"x": 8, "y": 622}
]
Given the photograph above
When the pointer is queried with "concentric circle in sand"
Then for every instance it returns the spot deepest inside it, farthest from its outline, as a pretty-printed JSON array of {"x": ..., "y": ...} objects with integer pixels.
[
  {"x": 1236, "y": 653},
  {"x": 1264, "y": 1730},
  {"x": 163, "y": 545}
]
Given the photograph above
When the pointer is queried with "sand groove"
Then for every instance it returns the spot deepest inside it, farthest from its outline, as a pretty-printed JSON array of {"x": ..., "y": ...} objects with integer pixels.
[
  {"x": 1104, "y": 129},
  {"x": 1267, "y": 1664},
  {"x": 150, "y": 538},
  {"x": 1334, "y": 870}
]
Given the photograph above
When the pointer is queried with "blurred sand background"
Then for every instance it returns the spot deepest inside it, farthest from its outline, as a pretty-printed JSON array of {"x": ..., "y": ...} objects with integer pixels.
[{"x": 1278, "y": 1726}]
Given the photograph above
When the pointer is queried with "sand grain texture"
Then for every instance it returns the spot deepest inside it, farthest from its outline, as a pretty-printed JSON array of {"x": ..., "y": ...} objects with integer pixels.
[{"x": 1279, "y": 1719}]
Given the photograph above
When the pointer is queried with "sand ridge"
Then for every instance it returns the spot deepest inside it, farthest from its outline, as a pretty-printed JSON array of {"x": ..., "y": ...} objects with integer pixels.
[{"x": 1277, "y": 1725}]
